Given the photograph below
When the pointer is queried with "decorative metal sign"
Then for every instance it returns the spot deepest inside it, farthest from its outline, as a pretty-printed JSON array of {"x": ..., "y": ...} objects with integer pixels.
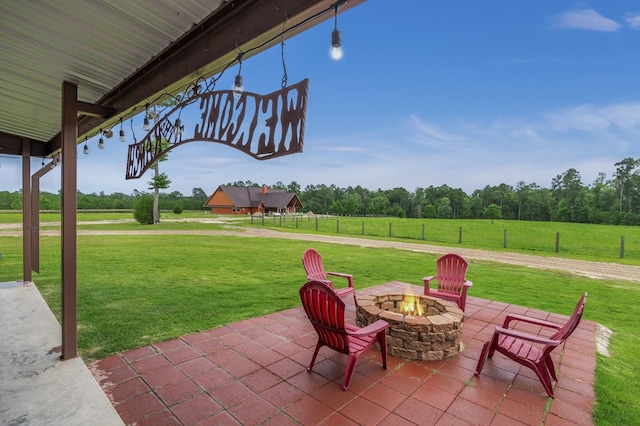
[{"x": 262, "y": 126}]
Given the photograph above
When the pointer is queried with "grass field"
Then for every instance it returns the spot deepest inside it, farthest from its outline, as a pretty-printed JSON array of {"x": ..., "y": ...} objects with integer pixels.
[{"x": 135, "y": 290}]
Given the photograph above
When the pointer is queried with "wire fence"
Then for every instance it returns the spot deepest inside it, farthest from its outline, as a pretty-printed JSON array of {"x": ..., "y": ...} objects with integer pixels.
[{"x": 603, "y": 242}]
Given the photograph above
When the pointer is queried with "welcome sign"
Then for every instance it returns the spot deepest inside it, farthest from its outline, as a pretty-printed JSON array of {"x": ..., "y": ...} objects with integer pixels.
[{"x": 262, "y": 126}]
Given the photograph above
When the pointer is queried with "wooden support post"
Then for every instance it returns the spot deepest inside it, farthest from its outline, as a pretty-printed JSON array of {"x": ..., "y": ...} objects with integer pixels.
[
  {"x": 69, "y": 220},
  {"x": 26, "y": 210}
]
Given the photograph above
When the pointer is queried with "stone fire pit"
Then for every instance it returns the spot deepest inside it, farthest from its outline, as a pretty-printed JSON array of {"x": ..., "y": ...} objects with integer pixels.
[{"x": 434, "y": 335}]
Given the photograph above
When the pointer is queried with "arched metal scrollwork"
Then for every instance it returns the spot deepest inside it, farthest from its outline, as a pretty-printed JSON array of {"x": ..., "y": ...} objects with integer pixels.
[{"x": 262, "y": 126}]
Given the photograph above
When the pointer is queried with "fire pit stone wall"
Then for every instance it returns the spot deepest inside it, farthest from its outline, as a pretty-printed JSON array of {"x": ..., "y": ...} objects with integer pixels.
[{"x": 432, "y": 336}]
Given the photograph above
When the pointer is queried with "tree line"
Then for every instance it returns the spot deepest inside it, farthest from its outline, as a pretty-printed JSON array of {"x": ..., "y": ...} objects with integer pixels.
[
  {"x": 115, "y": 201},
  {"x": 614, "y": 200},
  {"x": 607, "y": 201}
]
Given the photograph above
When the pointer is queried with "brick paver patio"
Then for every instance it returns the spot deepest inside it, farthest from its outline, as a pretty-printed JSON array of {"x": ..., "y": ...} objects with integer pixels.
[{"x": 254, "y": 372}]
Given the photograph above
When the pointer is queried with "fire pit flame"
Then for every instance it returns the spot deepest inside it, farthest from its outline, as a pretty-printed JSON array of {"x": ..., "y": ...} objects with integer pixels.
[{"x": 411, "y": 306}]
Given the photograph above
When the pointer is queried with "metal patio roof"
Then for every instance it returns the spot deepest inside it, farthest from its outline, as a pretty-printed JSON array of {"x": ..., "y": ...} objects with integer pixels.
[{"x": 122, "y": 53}]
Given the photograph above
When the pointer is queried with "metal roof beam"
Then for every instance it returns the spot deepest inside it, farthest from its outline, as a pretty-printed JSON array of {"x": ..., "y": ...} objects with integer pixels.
[{"x": 12, "y": 145}]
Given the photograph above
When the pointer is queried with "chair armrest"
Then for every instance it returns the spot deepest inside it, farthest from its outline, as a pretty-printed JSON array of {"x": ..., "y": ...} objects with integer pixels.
[
  {"x": 527, "y": 336},
  {"x": 463, "y": 294},
  {"x": 428, "y": 279},
  {"x": 530, "y": 320},
  {"x": 349, "y": 277},
  {"x": 374, "y": 327}
]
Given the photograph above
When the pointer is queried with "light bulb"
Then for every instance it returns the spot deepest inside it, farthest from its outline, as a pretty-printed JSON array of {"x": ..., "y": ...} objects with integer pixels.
[
  {"x": 178, "y": 127},
  {"x": 336, "y": 45},
  {"x": 85, "y": 150},
  {"x": 123, "y": 138},
  {"x": 238, "y": 89},
  {"x": 101, "y": 143},
  {"x": 145, "y": 125}
]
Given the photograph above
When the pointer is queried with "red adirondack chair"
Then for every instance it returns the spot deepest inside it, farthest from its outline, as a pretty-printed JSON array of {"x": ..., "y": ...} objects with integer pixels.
[
  {"x": 325, "y": 310},
  {"x": 519, "y": 345},
  {"x": 312, "y": 262},
  {"x": 451, "y": 278}
]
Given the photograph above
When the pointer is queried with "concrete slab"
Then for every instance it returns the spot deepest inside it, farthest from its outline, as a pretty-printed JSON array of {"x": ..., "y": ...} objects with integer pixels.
[{"x": 36, "y": 387}]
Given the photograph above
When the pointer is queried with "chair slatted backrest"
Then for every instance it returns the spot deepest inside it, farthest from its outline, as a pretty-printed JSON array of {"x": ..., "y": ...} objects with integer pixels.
[
  {"x": 325, "y": 310},
  {"x": 312, "y": 262},
  {"x": 452, "y": 270},
  {"x": 571, "y": 324}
]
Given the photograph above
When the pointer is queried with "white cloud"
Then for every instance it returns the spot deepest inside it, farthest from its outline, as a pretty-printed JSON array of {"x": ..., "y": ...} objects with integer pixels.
[
  {"x": 633, "y": 20},
  {"x": 591, "y": 118},
  {"x": 589, "y": 138},
  {"x": 584, "y": 19},
  {"x": 342, "y": 148},
  {"x": 431, "y": 135}
]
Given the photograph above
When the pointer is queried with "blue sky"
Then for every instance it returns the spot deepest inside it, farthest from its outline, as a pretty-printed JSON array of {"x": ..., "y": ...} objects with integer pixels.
[{"x": 462, "y": 93}]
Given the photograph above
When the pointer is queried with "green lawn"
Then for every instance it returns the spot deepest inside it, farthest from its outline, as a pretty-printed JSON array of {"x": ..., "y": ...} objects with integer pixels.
[{"x": 135, "y": 290}]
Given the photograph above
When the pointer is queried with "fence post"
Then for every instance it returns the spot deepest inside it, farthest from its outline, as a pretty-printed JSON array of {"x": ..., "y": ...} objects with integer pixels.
[
  {"x": 622, "y": 247},
  {"x": 460, "y": 235},
  {"x": 252, "y": 219},
  {"x": 337, "y": 226},
  {"x": 316, "y": 223},
  {"x": 390, "y": 225},
  {"x": 296, "y": 223},
  {"x": 504, "y": 243},
  {"x": 557, "y": 242},
  {"x": 280, "y": 221},
  {"x": 363, "y": 227},
  {"x": 262, "y": 219}
]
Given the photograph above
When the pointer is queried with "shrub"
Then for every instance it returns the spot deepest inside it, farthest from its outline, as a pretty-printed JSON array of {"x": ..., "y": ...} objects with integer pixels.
[
  {"x": 143, "y": 210},
  {"x": 177, "y": 209}
]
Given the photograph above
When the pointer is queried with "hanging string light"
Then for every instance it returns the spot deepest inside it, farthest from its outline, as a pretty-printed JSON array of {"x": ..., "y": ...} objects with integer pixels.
[
  {"x": 196, "y": 89},
  {"x": 85, "y": 150},
  {"x": 238, "y": 88},
  {"x": 101, "y": 141},
  {"x": 336, "y": 40},
  {"x": 123, "y": 138},
  {"x": 178, "y": 127},
  {"x": 146, "y": 124}
]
